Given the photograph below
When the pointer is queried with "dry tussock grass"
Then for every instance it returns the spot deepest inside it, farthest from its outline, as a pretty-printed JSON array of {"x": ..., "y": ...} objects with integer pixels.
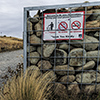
[
  {"x": 10, "y": 43},
  {"x": 34, "y": 86}
]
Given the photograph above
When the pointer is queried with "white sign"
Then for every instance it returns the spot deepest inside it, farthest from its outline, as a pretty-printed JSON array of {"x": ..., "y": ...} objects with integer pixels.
[{"x": 62, "y": 26}]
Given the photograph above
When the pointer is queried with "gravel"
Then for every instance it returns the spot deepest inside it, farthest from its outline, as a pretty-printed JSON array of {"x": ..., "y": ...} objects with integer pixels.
[{"x": 9, "y": 59}]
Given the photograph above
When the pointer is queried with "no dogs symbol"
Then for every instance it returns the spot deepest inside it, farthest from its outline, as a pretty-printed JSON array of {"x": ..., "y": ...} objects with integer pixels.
[
  {"x": 63, "y": 25},
  {"x": 76, "y": 25}
]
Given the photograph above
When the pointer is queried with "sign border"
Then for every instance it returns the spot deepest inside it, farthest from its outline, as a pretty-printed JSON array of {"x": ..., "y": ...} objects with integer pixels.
[{"x": 72, "y": 29}]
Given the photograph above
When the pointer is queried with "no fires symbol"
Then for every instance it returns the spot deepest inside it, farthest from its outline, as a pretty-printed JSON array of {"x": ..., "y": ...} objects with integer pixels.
[
  {"x": 62, "y": 25},
  {"x": 76, "y": 25}
]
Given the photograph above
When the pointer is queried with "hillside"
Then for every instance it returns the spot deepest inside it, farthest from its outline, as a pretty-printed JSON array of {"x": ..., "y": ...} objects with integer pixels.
[{"x": 10, "y": 43}]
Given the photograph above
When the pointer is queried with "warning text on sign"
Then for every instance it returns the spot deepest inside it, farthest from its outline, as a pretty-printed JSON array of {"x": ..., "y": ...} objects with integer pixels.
[{"x": 63, "y": 26}]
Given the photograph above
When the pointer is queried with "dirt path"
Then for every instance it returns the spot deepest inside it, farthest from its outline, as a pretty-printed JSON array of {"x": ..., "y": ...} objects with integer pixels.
[{"x": 9, "y": 59}]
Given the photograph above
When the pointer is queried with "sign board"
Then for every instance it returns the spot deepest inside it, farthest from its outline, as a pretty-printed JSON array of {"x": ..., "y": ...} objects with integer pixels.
[{"x": 62, "y": 26}]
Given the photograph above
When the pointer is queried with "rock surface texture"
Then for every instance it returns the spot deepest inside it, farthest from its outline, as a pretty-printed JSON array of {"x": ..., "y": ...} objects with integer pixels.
[{"x": 79, "y": 52}]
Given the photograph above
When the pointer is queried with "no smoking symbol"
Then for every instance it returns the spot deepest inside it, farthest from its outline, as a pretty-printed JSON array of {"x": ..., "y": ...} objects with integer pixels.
[
  {"x": 76, "y": 25},
  {"x": 62, "y": 26}
]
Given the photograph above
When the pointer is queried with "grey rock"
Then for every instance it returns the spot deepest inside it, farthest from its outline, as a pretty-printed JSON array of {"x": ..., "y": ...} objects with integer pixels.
[
  {"x": 33, "y": 67},
  {"x": 39, "y": 50},
  {"x": 63, "y": 46},
  {"x": 74, "y": 88},
  {"x": 89, "y": 89},
  {"x": 48, "y": 49},
  {"x": 44, "y": 65},
  {"x": 88, "y": 77},
  {"x": 97, "y": 34},
  {"x": 77, "y": 52},
  {"x": 67, "y": 78},
  {"x": 98, "y": 68},
  {"x": 31, "y": 48},
  {"x": 61, "y": 57},
  {"x": 33, "y": 70},
  {"x": 93, "y": 55},
  {"x": 34, "y": 60},
  {"x": 29, "y": 27},
  {"x": 88, "y": 65},
  {"x": 95, "y": 16},
  {"x": 45, "y": 99},
  {"x": 89, "y": 43},
  {"x": 34, "y": 39},
  {"x": 50, "y": 75},
  {"x": 64, "y": 70},
  {"x": 60, "y": 91},
  {"x": 34, "y": 19},
  {"x": 40, "y": 21},
  {"x": 38, "y": 29}
]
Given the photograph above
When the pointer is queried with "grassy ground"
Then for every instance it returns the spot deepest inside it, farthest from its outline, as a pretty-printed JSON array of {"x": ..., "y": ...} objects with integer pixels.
[{"x": 10, "y": 43}]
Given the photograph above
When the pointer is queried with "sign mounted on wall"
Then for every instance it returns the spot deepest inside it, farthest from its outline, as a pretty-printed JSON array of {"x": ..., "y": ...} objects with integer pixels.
[{"x": 63, "y": 26}]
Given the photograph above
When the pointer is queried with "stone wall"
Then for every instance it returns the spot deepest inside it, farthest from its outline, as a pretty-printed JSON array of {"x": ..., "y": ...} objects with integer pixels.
[{"x": 76, "y": 65}]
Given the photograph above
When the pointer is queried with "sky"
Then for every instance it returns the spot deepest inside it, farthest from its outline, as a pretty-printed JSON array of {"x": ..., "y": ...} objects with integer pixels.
[{"x": 11, "y": 13}]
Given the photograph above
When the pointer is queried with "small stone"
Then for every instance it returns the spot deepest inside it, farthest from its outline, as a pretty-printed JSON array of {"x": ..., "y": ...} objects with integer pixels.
[
  {"x": 67, "y": 78},
  {"x": 60, "y": 91},
  {"x": 34, "y": 39},
  {"x": 74, "y": 88},
  {"x": 77, "y": 52},
  {"x": 88, "y": 65},
  {"x": 93, "y": 55},
  {"x": 61, "y": 57},
  {"x": 44, "y": 65},
  {"x": 48, "y": 49},
  {"x": 64, "y": 70},
  {"x": 29, "y": 27},
  {"x": 38, "y": 29},
  {"x": 34, "y": 60},
  {"x": 88, "y": 77},
  {"x": 31, "y": 48}
]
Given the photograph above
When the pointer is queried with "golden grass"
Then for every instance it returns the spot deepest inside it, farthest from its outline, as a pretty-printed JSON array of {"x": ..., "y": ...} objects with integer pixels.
[
  {"x": 10, "y": 43},
  {"x": 34, "y": 86}
]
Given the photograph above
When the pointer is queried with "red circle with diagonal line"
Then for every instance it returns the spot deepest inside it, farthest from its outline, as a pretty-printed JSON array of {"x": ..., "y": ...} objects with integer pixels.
[
  {"x": 62, "y": 26},
  {"x": 76, "y": 25}
]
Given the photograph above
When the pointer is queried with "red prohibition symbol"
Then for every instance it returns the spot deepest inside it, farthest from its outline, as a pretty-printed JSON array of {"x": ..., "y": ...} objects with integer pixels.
[
  {"x": 62, "y": 25},
  {"x": 76, "y": 25}
]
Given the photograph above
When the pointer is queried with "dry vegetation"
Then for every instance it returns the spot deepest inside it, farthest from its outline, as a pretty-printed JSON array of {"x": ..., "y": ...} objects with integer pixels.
[
  {"x": 34, "y": 85},
  {"x": 10, "y": 43},
  {"x": 31, "y": 86}
]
